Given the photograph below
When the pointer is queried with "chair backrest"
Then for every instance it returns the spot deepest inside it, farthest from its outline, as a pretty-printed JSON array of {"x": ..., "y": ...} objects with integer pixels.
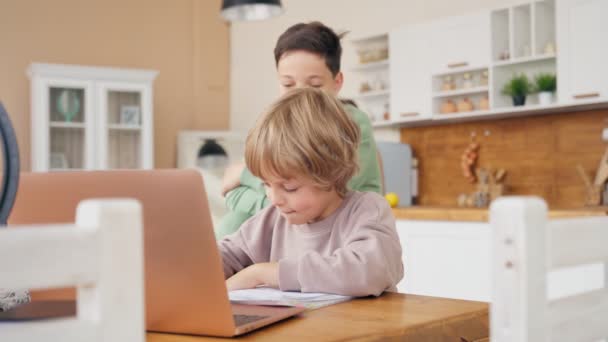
[
  {"x": 101, "y": 254},
  {"x": 526, "y": 247}
]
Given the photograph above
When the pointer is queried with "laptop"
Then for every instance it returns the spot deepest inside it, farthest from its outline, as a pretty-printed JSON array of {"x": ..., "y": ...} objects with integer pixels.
[{"x": 185, "y": 286}]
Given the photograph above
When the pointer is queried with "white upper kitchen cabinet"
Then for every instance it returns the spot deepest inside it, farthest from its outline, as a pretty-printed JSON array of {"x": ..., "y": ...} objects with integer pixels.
[
  {"x": 582, "y": 63},
  {"x": 459, "y": 42},
  {"x": 91, "y": 118},
  {"x": 410, "y": 74}
]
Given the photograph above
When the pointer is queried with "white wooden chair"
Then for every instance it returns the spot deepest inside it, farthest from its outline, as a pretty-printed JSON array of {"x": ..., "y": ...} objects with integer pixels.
[
  {"x": 526, "y": 247},
  {"x": 101, "y": 254}
]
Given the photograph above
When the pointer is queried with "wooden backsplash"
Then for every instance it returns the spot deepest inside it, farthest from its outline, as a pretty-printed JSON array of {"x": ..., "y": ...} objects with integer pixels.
[{"x": 540, "y": 154}]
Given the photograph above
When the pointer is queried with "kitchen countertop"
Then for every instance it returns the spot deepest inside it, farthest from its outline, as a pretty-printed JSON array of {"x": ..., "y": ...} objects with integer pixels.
[{"x": 481, "y": 214}]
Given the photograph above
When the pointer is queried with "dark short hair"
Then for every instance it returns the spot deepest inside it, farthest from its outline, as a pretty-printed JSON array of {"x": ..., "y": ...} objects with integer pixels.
[{"x": 312, "y": 37}]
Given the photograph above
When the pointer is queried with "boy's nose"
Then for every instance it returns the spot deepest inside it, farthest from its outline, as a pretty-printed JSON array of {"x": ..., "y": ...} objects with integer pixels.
[
  {"x": 276, "y": 199},
  {"x": 301, "y": 85}
]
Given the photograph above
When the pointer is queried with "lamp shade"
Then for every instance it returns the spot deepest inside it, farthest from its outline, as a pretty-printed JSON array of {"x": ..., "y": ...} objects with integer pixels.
[{"x": 244, "y": 10}]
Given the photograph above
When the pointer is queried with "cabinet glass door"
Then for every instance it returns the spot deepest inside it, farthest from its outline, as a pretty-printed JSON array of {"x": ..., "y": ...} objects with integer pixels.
[
  {"x": 67, "y": 128},
  {"x": 124, "y": 134}
]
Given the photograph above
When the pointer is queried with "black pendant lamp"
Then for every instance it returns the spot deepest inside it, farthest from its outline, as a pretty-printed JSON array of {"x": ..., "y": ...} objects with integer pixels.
[{"x": 246, "y": 10}]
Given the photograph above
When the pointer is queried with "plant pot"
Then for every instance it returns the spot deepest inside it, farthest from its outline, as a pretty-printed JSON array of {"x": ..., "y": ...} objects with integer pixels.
[
  {"x": 519, "y": 100},
  {"x": 545, "y": 98}
]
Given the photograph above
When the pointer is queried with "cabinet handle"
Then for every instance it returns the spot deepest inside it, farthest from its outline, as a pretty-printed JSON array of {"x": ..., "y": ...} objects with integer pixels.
[
  {"x": 408, "y": 114},
  {"x": 586, "y": 95},
  {"x": 457, "y": 65}
]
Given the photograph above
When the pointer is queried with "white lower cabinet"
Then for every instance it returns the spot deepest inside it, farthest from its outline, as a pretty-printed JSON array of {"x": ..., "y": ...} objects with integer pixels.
[
  {"x": 453, "y": 260},
  {"x": 445, "y": 259}
]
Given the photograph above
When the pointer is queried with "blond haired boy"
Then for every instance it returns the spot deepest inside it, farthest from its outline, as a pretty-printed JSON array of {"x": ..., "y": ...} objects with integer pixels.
[{"x": 317, "y": 235}]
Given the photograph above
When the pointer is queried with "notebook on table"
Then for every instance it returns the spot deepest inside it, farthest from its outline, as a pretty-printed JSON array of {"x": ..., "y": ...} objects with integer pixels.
[{"x": 270, "y": 296}]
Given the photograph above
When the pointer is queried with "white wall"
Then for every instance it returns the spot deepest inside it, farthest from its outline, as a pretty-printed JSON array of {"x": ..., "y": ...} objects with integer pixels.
[{"x": 253, "y": 84}]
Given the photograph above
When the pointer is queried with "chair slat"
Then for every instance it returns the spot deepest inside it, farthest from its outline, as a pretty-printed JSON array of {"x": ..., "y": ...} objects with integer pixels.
[
  {"x": 579, "y": 318},
  {"x": 69, "y": 330},
  {"x": 29, "y": 256},
  {"x": 578, "y": 241}
]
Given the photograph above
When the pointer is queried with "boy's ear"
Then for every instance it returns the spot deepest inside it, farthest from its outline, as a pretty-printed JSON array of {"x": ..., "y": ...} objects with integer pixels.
[{"x": 338, "y": 81}]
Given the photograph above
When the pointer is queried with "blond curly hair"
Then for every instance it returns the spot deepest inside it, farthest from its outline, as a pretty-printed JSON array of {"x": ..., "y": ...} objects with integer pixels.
[{"x": 306, "y": 133}]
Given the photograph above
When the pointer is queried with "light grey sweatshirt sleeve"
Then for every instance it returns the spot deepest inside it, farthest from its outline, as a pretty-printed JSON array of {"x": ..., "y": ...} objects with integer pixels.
[{"x": 249, "y": 245}]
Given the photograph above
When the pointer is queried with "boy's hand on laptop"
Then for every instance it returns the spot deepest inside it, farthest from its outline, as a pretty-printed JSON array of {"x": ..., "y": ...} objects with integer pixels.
[
  {"x": 232, "y": 177},
  {"x": 266, "y": 274}
]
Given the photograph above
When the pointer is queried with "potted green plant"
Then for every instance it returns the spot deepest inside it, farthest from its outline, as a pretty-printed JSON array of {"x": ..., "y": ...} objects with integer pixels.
[
  {"x": 518, "y": 88},
  {"x": 545, "y": 83}
]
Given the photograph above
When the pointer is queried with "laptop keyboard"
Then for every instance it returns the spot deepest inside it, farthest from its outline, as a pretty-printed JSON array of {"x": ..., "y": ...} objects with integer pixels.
[{"x": 245, "y": 319}]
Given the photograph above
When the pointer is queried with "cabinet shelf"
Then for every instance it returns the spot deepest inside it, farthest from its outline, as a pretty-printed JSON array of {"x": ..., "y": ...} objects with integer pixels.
[
  {"x": 518, "y": 111},
  {"x": 522, "y": 60},
  {"x": 370, "y": 39},
  {"x": 460, "y": 92},
  {"x": 410, "y": 120},
  {"x": 497, "y": 113},
  {"x": 471, "y": 114},
  {"x": 382, "y": 123},
  {"x": 462, "y": 70},
  {"x": 125, "y": 127},
  {"x": 372, "y": 95},
  {"x": 372, "y": 66},
  {"x": 61, "y": 124}
]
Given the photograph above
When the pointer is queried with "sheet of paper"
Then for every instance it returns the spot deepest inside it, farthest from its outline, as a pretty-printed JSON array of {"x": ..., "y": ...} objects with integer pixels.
[{"x": 270, "y": 296}]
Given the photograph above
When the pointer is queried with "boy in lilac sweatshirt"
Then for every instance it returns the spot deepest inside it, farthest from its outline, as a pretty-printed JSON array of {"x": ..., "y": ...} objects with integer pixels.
[{"x": 317, "y": 236}]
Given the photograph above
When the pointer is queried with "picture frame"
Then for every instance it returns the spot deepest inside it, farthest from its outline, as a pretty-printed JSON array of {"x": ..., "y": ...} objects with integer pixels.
[{"x": 130, "y": 115}]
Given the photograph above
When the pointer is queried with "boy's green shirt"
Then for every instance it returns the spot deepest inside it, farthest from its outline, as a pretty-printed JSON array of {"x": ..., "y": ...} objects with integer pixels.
[{"x": 250, "y": 197}]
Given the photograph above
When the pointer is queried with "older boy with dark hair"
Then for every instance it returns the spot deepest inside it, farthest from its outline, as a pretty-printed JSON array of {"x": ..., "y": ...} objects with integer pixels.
[{"x": 306, "y": 55}]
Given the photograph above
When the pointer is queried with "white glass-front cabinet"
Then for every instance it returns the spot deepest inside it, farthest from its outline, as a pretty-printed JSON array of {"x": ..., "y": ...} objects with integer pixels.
[
  {"x": 583, "y": 53},
  {"x": 91, "y": 118}
]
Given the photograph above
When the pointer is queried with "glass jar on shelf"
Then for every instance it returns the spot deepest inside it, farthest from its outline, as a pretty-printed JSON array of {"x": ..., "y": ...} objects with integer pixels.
[
  {"x": 448, "y": 83},
  {"x": 378, "y": 51},
  {"x": 483, "y": 80},
  {"x": 467, "y": 80},
  {"x": 484, "y": 103},
  {"x": 465, "y": 105},
  {"x": 364, "y": 55},
  {"x": 379, "y": 84},
  {"x": 447, "y": 107},
  {"x": 364, "y": 87}
]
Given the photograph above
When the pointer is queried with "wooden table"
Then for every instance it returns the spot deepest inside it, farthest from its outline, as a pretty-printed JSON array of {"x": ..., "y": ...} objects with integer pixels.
[{"x": 391, "y": 316}]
